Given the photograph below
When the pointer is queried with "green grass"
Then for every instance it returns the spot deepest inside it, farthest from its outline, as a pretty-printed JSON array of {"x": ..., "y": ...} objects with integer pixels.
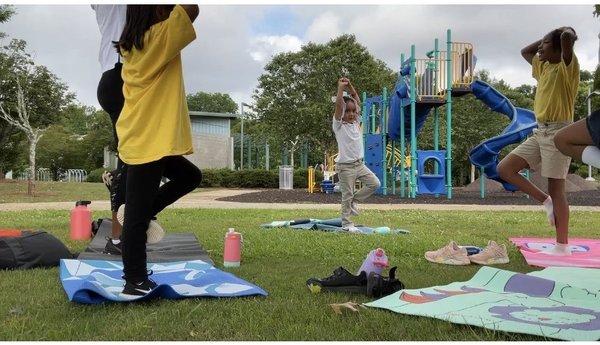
[
  {"x": 33, "y": 305},
  {"x": 16, "y": 191}
]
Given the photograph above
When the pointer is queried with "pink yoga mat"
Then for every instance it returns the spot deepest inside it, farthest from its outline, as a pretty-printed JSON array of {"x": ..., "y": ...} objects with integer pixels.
[{"x": 586, "y": 252}]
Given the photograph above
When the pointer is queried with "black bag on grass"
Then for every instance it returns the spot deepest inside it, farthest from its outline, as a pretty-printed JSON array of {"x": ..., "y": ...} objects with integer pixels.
[{"x": 29, "y": 249}]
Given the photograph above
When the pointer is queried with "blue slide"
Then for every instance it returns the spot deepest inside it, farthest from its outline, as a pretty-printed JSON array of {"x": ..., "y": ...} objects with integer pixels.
[
  {"x": 522, "y": 124},
  {"x": 401, "y": 99}
]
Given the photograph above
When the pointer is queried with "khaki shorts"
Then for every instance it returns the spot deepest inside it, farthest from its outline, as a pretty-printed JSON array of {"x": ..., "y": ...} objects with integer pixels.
[{"x": 542, "y": 155}]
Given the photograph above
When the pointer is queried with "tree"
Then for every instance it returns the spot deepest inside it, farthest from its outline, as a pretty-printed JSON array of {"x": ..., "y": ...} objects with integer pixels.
[
  {"x": 46, "y": 98},
  {"x": 293, "y": 97},
  {"x": 33, "y": 134},
  {"x": 211, "y": 102},
  {"x": 596, "y": 10}
]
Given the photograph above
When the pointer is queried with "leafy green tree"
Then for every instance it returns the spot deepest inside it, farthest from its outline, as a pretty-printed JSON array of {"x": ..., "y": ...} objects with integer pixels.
[
  {"x": 293, "y": 97},
  {"x": 211, "y": 102},
  {"x": 45, "y": 94}
]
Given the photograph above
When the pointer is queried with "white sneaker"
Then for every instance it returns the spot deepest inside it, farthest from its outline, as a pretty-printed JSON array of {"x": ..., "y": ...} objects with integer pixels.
[
  {"x": 354, "y": 209},
  {"x": 351, "y": 228},
  {"x": 155, "y": 232},
  {"x": 451, "y": 254},
  {"x": 493, "y": 254}
]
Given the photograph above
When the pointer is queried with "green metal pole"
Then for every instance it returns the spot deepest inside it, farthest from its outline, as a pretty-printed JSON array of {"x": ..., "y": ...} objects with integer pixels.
[
  {"x": 364, "y": 116},
  {"x": 372, "y": 120},
  {"x": 383, "y": 133},
  {"x": 402, "y": 140},
  {"x": 449, "y": 115},
  {"x": 393, "y": 166},
  {"x": 266, "y": 156},
  {"x": 481, "y": 182},
  {"x": 413, "y": 136},
  {"x": 436, "y": 116}
]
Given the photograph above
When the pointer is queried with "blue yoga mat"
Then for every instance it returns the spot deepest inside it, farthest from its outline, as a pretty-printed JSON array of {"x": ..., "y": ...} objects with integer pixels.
[
  {"x": 98, "y": 281},
  {"x": 332, "y": 225}
]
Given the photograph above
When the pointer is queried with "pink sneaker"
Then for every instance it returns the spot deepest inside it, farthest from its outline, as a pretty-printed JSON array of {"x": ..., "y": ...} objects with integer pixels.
[
  {"x": 493, "y": 254},
  {"x": 451, "y": 254}
]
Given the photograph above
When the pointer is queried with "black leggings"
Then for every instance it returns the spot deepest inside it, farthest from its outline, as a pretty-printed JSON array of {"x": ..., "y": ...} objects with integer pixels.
[
  {"x": 145, "y": 199},
  {"x": 110, "y": 97}
]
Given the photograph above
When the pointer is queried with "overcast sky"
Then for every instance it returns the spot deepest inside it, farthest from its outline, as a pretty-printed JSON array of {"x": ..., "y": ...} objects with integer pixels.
[{"x": 235, "y": 42}]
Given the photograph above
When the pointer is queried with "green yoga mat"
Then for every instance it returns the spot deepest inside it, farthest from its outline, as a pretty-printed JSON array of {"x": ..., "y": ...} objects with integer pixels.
[{"x": 558, "y": 302}]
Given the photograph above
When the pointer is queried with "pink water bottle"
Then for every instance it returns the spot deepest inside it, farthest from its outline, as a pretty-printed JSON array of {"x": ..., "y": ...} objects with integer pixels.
[
  {"x": 376, "y": 261},
  {"x": 232, "y": 253},
  {"x": 81, "y": 221}
]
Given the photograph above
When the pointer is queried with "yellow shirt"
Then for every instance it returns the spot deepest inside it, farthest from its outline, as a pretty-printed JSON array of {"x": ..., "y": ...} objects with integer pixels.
[
  {"x": 556, "y": 90},
  {"x": 155, "y": 122}
]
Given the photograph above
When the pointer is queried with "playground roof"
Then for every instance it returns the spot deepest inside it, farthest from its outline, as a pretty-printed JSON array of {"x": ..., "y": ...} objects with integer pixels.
[{"x": 210, "y": 114}]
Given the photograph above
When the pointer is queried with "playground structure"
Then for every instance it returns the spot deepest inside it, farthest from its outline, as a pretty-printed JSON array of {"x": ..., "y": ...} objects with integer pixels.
[{"x": 424, "y": 85}]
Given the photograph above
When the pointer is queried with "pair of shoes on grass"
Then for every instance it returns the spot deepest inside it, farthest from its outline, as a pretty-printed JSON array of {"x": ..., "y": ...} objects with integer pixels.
[
  {"x": 453, "y": 254},
  {"x": 373, "y": 285}
]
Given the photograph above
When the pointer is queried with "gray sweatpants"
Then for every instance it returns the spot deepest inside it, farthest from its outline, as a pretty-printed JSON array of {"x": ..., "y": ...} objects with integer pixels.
[{"x": 348, "y": 174}]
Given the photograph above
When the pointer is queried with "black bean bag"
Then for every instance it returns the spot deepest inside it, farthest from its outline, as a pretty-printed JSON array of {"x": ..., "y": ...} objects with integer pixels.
[{"x": 30, "y": 249}]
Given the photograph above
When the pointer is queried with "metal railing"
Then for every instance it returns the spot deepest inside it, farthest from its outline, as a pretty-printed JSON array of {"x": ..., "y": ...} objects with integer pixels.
[
  {"x": 75, "y": 175},
  {"x": 428, "y": 79}
]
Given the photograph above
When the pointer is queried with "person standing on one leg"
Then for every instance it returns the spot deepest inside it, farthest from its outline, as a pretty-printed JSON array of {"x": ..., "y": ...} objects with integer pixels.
[
  {"x": 581, "y": 140},
  {"x": 349, "y": 163},
  {"x": 111, "y": 20},
  {"x": 154, "y": 126},
  {"x": 556, "y": 69}
]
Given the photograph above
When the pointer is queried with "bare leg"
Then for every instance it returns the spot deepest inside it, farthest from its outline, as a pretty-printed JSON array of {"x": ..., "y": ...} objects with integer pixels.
[
  {"x": 116, "y": 227},
  {"x": 556, "y": 188},
  {"x": 509, "y": 169},
  {"x": 573, "y": 139}
]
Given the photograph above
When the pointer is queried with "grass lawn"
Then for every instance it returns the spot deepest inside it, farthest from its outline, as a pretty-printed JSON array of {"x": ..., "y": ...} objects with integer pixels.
[
  {"x": 16, "y": 191},
  {"x": 33, "y": 305}
]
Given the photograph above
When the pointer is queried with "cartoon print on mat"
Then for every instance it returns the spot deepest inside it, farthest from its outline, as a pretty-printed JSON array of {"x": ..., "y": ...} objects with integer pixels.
[
  {"x": 541, "y": 246},
  {"x": 563, "y": 317}
]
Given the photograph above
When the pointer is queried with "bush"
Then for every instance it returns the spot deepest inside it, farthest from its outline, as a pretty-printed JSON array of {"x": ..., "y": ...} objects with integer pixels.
[
  {"x": 95, "y": 175},
  {"x": 252, "y": 178}
]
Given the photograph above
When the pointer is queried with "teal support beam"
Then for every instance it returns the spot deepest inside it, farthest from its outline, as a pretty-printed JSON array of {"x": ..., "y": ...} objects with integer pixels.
[
  {"x": 402, "y": 140},
  {"x": 383, "y": 133},
  {"x": 481, "y": 183},
  {"x": 413, "y": 135},
  {"x": 449, "y": 115},
  {"x": 393, "y": 167},
  {"x": 436, "y": 115}
]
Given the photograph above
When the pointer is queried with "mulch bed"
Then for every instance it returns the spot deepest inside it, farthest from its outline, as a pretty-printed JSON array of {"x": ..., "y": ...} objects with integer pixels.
[{"x": 459, "y": 196}]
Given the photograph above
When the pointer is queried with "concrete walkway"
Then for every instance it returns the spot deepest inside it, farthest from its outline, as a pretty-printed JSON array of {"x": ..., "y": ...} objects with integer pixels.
[{"x": 207, "y": 200}]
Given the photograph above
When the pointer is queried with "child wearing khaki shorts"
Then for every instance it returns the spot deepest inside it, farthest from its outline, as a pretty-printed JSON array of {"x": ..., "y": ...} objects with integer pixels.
[{"x": 556, "y": 69}]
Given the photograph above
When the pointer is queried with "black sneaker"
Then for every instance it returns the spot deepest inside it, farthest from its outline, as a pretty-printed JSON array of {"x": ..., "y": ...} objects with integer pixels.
[
  {"x": 139, "y": 289},
  {"x": 340, "y": 281},
  {"x": 113, "y": 249},
  {"x": 379, "y": 286}
]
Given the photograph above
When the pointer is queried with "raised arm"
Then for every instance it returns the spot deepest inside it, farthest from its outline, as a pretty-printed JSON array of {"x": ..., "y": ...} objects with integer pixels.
[
  {"x": 567, "y": 41},
  {"x": 354, "y": 95},
  {"x": 529, "y": 52},
  {"x": 192, "y": 11},
  {"x": 339, "y": 100}
]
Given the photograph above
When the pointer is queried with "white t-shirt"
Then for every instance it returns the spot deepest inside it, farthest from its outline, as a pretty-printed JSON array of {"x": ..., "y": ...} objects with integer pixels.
[
  {"x": 111, "y": 21},
  {"x": 350, "y": 141}
]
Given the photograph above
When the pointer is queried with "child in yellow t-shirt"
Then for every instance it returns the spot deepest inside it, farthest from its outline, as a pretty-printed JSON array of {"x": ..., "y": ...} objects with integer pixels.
[
  {"x": 556, "y": 69},
  {"x": 153, "y": 127}
]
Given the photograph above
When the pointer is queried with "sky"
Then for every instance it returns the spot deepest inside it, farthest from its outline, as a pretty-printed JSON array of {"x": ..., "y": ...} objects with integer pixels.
[{"x": 235, "y": 42}]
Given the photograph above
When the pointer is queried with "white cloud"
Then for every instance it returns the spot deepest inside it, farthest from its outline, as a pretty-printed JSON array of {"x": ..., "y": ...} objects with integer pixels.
[
  {"x": 323, "y": 28},
  {"x": 262, "y": 48},
  {"x": 228, "y": 56}
]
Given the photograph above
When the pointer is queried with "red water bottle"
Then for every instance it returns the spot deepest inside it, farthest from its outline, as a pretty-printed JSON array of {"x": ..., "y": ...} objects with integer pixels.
[
  {"x": 232, "y": 254},
  {"x": 81, "y": 221}
]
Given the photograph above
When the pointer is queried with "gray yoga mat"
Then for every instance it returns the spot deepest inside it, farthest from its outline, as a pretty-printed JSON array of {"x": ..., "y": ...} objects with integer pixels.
[{"x": 174, "y": 247}]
